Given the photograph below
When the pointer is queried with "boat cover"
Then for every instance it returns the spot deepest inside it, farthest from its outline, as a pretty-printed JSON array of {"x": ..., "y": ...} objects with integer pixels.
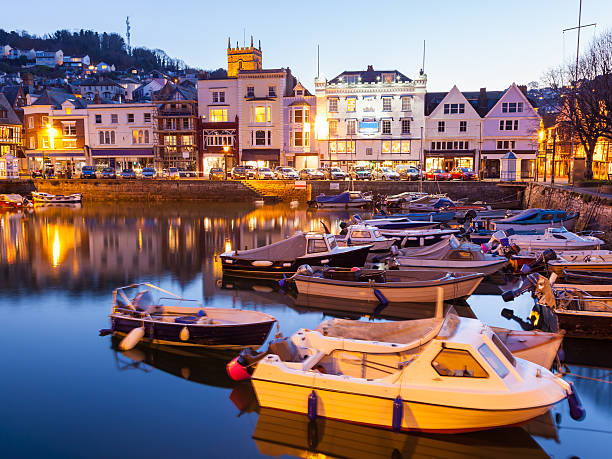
[
  {"x": 14, "y": 198},
  {"x": 342, "y": 198},
  {"x": 287, "y": 249},
  {"x": 528, "y": 214}
]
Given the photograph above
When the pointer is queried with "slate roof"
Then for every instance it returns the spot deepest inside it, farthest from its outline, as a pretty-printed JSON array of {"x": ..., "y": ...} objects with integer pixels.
[
  {"x": 369, "y": 76},
  {"x": 11, "y": 93},
  {"x": 433, "y": 99},
  {"x": 97, "y": 82},
  {"x": 56, "y": 98},
  {"x": 11, "y": 116}
]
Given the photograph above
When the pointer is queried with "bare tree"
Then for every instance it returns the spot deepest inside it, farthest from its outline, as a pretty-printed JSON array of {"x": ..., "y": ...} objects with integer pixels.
[{"x": 583, "y": 96}]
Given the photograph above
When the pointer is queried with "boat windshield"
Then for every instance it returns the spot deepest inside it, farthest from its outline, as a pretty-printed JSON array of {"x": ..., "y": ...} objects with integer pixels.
[
  {"x": 492, "y": 360},
  {"x": 449, "y": 326},
  {"x": 331, "y": 242}
]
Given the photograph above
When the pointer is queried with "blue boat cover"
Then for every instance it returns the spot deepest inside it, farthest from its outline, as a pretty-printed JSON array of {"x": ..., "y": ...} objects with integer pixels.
[{"x": 341, "y": 198}]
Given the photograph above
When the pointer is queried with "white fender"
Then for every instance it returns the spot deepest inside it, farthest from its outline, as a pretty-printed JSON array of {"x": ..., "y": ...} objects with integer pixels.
[
  {"x": 131, "y": 339},
  {"x": 184, "y": 335},
  {"x": 261, "y": 263}
]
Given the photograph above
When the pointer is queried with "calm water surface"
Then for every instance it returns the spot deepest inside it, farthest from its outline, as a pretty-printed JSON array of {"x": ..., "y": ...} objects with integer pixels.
[{"x": 65, "y": 391}]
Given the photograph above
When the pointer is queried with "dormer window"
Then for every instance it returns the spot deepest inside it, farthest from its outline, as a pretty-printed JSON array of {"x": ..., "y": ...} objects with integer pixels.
[
  {"x": 352, "y": 79},
  {"x": 299, "y": 92},
  {"x": 388, "y": 77}
]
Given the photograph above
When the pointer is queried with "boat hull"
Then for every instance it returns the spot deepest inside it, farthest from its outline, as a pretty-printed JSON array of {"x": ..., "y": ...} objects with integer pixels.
[
  {"x": 456, "y": 266},
  {"x": 378, "y": 410},
  {"x": 585, "y": 324},
  {"x": 567, "y": 224},
  {"x": 168, "y": 334},
  {"x": 364, "y": 291}
]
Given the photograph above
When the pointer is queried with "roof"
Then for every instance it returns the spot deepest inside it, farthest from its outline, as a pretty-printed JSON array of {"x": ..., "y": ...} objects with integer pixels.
[
  {"x": 97, "y": 82},
  {"x": 56, "y": 98},
  {"x": 369, "y": 75},
  {"x": 169, "y": 91},
  {"x": 490, "y": 98},
  {"x": 11, "y": 116},
  {"x": 11, "y": 93},
  {"x": 261, "y": 71}
]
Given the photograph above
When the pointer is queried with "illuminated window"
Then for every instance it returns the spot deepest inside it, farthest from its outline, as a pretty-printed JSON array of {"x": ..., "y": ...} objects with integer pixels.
[
  {"x": 386, "y": 146},
  {"x": 386, "y": 104},
  {"x": 260, "y": 114},
  {"x": 69, "y": 143},
  {"x": 395, "y": 146},
  {"x": 333, "y": 127},
  {"x": 187, "y": 140},
  {"x": 306, "y": 139},
  {"x": 218, "y": 115},
  {"x": 45, "y": 121},
  {"x": 406, "y": 104},
  {"x": 45, "y": 142},
  {"x": 298, "y": 139},
  {"x": 386, "y": 126},
  {"x": 341, "y": 147},
  {"x": 332, "y": 147},
  {"x": 351, "y": 104},
  {"x": 388, "y": 77},
  {"x": 405, "y": 146},
  {"x": 306, "y": 115},
  {"x": 333, "y": 105},
  {"x": 458, "y": 363},
  {"x": 32, "y": 143},
  {"x": 68, "y": 110},
  {"x": 350, "y": 146}
]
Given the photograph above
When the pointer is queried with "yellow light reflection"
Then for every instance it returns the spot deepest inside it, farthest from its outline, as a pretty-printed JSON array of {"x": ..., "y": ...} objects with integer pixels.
[
  {"x": 56, "y": 248},
  {"x": 228, "y": 245},
  {"x": 321, "y": 127}
]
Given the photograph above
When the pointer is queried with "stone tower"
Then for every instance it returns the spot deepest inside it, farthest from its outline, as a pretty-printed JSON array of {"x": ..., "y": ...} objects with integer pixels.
[{"x": 248, "y": 58}]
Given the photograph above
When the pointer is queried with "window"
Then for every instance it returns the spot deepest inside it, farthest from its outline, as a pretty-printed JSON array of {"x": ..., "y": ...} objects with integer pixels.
[
  {"x": 512, "y": 107},
  {"x": 260, "y": 114},
  {"x": 68, "y": 112},
  {"x": 30, "y": 122},
  {"x": 441, "y": 126},
  {"x": 98, "y": 119},
  {"x": 493, "y": 360},
  {"x": 386, "y": 126},
  {"x": 351, "y": 79},
  {"x": 369, "y": 151},
  {"x": 218, "y": 115},
  {"x": 298, "y": 118},
  {"x": 147, "y": 117},
  {"x": 32, "y": 142},
  {"x": 386, "y": 104},
  {"x": 350, "y": 127},
  {"x": 405, "y": 126},
  {"x": 386, "y": 146},
  {"x": 458, "y": 363},
  {"x": 260, "y": 137},
  {"x": 351, "y": 104},
  {"x": 45, "y": 142},
  {"x": 250, "y": 91},
  {"x": 462, "y": 126},
  {"x": 333, "y": 105},
  {"x": 186, "y": 139},
  {"x": 69, "y": 143},
  {"x": 306, "y": 115},
  {"x": 505, "y": 144},
  {"x": 388, "y": 77},
  {"x": 130, "y": 118},
  {"x": 44, "y": 121},
  {"x": 69, "y": 129},
  {"x": 405, "y": 146},
  {"x": 307, "y": 139},
  {"x": 218, "y": 97},
  {"x": 316, "y": 246},
  {"x": 395, "y": 146},
  {"x": 271, "y": 91},
  {"x": 146, "y": 136},
  {"x": 350, "y": 145},
  {"x": 508, "y": 125},
  {"x": 332, "y": 147},
  {"x": 170, "y": 142},
  {"x": 453, "y": 109},
  {"x": 269, "y": 137},
  {"x": 115, "y": 118},
  {"x": 185, "y": 123},
  {"x": 298, "y": 140},
  {"x": 406, "y": 104},
  {"x": 333, "y": 127}
]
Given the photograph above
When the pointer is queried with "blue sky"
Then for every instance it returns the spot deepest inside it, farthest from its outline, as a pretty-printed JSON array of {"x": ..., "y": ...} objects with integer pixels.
[{"x": 472, "y": 44}]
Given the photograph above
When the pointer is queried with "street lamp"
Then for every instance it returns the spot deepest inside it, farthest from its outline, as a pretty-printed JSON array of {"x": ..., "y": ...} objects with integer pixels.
[{"x": 226, "y": 149}]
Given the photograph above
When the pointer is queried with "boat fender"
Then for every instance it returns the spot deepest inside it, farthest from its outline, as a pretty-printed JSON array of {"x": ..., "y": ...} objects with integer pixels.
[
  {"x": 380, "y": 297},
  {"x": 132, "y": 338},
  {"x": 312, "y": 406},
  {"x": 236, "y": 371},
  {"x": 577, "y": 411},
  {"x": 184, "y": 334},
  {"x": 484, "y": 248},
  {"x": 398, "y": 414}
]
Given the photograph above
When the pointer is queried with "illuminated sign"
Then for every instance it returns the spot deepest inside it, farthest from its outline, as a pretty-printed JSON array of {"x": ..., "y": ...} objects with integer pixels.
[{"x": 368, "y": 127}]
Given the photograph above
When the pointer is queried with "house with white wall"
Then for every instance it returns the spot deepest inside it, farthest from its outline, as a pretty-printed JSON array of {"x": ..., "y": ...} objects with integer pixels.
[
  {"x": 50, "y": 58},
  {"x": 300, "y": 112}
]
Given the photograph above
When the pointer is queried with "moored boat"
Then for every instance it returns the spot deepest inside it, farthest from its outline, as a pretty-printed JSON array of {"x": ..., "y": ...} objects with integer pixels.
[
  {"x": 148, "y": 316},
  {"x": 283, "y": 258},
  {"x": 418, "y": 237},
  {"x": 46, "y": 198},
  {"x": 363, "y": 234},
  {"x": 537, "y": 219},
  {"x": 13, "y": 201},
  {"x": 582, "y": 260},
  {"x": 558, "y": 239},
  {"x": 457, "y": 376},
  {"x": 345, "y": 200}
]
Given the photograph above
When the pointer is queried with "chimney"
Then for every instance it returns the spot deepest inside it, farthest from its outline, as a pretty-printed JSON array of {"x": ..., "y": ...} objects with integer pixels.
[
  {"x": 523, "y": 89},
  {"x": 482, "y": 101},
  {"x": 370, "y": 68}
]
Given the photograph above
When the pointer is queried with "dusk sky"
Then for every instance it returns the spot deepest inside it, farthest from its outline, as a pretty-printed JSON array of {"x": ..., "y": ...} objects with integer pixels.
[{"x": 471, "y": 44}]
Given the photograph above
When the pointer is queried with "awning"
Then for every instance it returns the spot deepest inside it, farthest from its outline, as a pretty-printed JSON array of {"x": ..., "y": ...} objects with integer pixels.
[
  {"x": 55, "y": 154},
  {"x": 448, "y": 153},
  {"x": 122, "y": 152},
  {"x": 261, "y": 154}
]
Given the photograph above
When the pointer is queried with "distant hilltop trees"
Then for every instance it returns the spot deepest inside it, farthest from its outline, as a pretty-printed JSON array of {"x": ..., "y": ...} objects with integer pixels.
[{"x": 105, "y": 47}]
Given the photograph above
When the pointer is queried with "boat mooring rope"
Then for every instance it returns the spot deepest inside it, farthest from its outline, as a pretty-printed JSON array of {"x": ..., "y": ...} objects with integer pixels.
[{"x": 564, "y": 371}]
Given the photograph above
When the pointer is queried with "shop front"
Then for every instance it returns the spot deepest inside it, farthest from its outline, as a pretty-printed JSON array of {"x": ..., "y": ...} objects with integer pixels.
[
  {"x": 260, "y": 157},
  {"x": 56, "y": 160},
  {"x": 449, "y": 159},
  {"x": 306, "y": 161},
  {"x": 122, "y": 158}
]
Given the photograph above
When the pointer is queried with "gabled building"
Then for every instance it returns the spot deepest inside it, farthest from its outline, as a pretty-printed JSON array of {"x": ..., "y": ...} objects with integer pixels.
[
  {"x": 10, "y": 129},
  {"x": 370, "y": 117}
]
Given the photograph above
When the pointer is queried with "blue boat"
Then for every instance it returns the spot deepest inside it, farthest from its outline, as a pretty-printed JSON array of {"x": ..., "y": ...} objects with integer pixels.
[
  {"x": 537, "y": 219},
  {"x": 439, "y": 217},
  {"x": 341, "y": 201}
]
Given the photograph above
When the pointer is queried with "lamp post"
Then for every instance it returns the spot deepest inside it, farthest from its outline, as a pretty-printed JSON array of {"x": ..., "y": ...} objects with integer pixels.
[
  {"x": 552, "y": 172},
  {"x": 226, "y": 149}
]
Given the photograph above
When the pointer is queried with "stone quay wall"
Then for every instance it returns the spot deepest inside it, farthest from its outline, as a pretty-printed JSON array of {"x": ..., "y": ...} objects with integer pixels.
[{"x": 16, "y": 186}]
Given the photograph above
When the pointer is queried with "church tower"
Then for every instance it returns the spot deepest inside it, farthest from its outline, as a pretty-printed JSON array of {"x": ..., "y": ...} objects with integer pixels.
[{"x": 248, "y": 58}]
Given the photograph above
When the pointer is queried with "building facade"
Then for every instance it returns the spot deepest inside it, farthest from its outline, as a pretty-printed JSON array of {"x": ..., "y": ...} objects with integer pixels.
[
  {"x": 121, "y": 135},
  {"x": 370, "y": 117},
  {"x": 10, "y": 129}
]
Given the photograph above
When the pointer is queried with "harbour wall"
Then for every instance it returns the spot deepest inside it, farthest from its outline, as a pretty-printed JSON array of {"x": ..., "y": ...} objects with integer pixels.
[
  {"x": 16, "y": 186},
  {"x": 595, "y": 210}
]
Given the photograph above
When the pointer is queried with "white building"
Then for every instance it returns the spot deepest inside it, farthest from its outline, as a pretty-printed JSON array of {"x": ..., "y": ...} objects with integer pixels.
[
  {"x": 300, "y": 111},
  {"x": 77, "y": 61},
  {"x": 370, "y": 117},
  {"x": 50, "y": 58},
  {"x": 121, "y": 135}
]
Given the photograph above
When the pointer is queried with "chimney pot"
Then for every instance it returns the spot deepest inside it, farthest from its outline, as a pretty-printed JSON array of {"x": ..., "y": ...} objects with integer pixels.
[{"x": 370, "y": 68}]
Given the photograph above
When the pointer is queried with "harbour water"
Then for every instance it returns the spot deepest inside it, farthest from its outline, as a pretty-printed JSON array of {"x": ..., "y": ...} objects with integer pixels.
[{"x": 66, "y": 392}]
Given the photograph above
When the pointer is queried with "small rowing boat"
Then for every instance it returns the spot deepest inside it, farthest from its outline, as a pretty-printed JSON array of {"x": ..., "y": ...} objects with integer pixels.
[
  {"x": 13, "y": 201},
  {"x": 46, "y": 198}
]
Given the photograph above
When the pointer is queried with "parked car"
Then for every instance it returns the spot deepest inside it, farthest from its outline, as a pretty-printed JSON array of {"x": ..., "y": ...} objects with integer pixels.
[
  {"x": 334, "y": 173},
  {"x": 408, "y": 173},
  {"x": 264, "y": 173},
  {"x": 463, "y": 173},
  {"x": 385, "y": 173},
  {"x": 128, "y": 174},
  {"x": 437, "y": 174},
  {"x": 184, "y": 173},
  {"x": 286, "y": 173},
  {"x": 148, "y": 173},
  {"x": 37, "y": 174},
  {"x": 108, "y": 172},
  {"x": 173, "y": 173},
  {"x": 361, "y": 173},
  {"x": 216, "y": 173},
  {"x": 311, "y": 174},
  {"x": 49, "y": 173},
  {"x": 239, "y": 173},
  {"x": 251, "y": 172},
  {"x": 88, "y": 172}
]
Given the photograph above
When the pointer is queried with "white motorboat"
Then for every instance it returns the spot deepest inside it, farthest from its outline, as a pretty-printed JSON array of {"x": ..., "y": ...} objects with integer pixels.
[
  {"x": 363, "y": 234},
  {"x": 449, "y": 255},
  {"x": 392, "y": 286},
  {"x": 453, "y": 376},
  {"x": 418, "y": 237},
  {"x": 537, "y": 219},
  {"x": 46, "y": 198},
  {"x": 558, "y": 239}
]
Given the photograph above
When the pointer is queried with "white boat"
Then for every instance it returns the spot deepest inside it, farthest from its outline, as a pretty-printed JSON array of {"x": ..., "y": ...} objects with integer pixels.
[
  {"x": 449, "y": 255},
  {"x": 363, "y": 234},
  {"x": 392, "y": 286},
  {"x": 46, "y": 198},
  {"x": 418, "y": 237},
  {"x": 537, "y": 219},
  {"x": 582, "y": 260},
  {"x": 455, "y": 376},
  {"x": 344, "y": 200},
  {"x": 558, "y": 239},
  {"x": 13, "y": 201}
]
